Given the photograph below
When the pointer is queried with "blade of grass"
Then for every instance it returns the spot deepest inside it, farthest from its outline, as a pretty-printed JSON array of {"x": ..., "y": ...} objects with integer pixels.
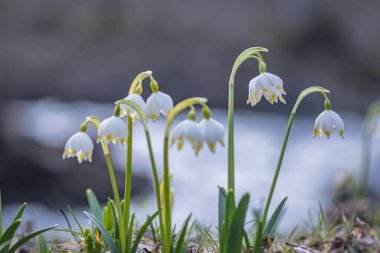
[
  {"x": 108, "y": 239},
  {"x": 1, "y": 217},
  {"x": 6, "y": 239},
  {"x": 130, "y": 231},
  {"x": 93, "y": 202},
  {"x": 142, "y": 231},
  {"x": 42, "y": 247},
  {"x": 181, "y": 238},
  {"x": 271, "y": 226},
  {"x": 28, "y": 237},
  {"x": 76, "y": 220}
]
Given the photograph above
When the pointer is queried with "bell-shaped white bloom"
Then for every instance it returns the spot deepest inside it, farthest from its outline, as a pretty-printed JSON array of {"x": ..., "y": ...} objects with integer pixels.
[
  {"x": 268, "y": 85},
  {"x": 188, "y": 130},
  {"x": 79, "y": 145},
  {"x": 126, "y": 110},
  {"x": 327, "y": 123},
  {"x": 113, "y": 129},
  {"x": 212, "y": 132},
  {"x": 158, "y": 103}
]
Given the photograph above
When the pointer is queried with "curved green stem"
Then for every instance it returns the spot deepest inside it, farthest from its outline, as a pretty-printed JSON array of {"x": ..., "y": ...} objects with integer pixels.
[
  {"x": 167, "y": 208},
  {"x": 138, "y": 79},
  {"x": 253, "y": 52},
  {"x": 143, "y": 118},
  {"x": 95, "y": 121},
  {"x": 279, "y": 163}
]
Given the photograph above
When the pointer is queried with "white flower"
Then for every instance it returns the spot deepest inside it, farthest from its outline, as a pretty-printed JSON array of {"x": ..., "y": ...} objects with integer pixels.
[
  {"x": 113, "y": 129},
  {"x": 126, "y": 110},
  {"x": 268, "y": 85},
  {"x": 187, "y": 130},
  {"x": 157, "y": 103},
  {"x": 79, "y": 145},
  {"x": 212, "y": 132},
  {"x": 327, "y": 123}
]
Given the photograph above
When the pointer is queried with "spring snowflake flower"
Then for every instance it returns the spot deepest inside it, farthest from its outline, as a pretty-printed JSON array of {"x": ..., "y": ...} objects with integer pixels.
[
  {"x": 268, "y": 85},
  {"x": 79, "y": 145},
  {"x": 113, "y": 129},
  {"x": 187, "y": 130},
  {"x": 158, "y": 103},
  {"x": 212, "y": 132},
  {"x": 126, "y": 110},
  {"x": 327, "y": 123}
]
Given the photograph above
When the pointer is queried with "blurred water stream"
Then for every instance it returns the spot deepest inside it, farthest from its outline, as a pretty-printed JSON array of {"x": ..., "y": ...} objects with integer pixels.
[{"x": 310, "y": 166}]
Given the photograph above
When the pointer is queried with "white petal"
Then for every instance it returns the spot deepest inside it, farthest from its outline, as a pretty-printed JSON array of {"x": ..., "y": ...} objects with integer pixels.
[
  {"x": 153, "y": 108},
  {"x": 165, "y": 102}
]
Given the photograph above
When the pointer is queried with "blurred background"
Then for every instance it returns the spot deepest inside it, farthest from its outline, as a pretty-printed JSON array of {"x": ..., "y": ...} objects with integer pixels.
[{"x": 61, "y": 61}]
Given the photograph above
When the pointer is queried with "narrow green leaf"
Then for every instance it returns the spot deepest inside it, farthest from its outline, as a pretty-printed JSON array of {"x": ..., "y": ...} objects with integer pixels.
[
  {"x": 142, "y": 231},
  {"x": 221, "y": 212},
  {"x": 180, "y": 247},
  {"x": 107, "y": 238},
  {"x": 108, "y": 217},
  {"x": 130, "y": 231},
  {"x": 28, "y": 237},
  {"x": 42, "y": 244},
  {"x": 235, "y": 233},
  {"x": 76, "y": 220},
  {"x": 93, "y": 202},
  {"x": 271, "y": 226},
  {"x": 258, "y": 238},
  {"x": 246, "y": 241},
  {"x": 229, "y": 213},
  {"x": 6, "y": 238},
  {"x": 20, "y": 212},
  {"x": 116, "y": 223}
]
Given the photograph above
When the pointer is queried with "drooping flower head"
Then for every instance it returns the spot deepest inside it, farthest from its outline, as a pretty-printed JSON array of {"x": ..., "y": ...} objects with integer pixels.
[
  {"x": 188, "y": 131},
  {"x": 158, "y": 103},
  {"x": 79, "y": 145},
  {"x": 268, "y": 85},
  {"x": 327, "y": 123},
  {"x": 212, "y": 131},
  {"x": 126, "y": 110},
  {"x": 113, "y": 129}
]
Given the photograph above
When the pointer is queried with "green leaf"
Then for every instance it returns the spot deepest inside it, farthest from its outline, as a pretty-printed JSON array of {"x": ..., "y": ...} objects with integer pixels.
[
  {"x": 42, "y": 246},
  {"x": 108, "y": 217},
  {"x": 76, "y": 220},
  {"x": 271, "y": 226},
  {"x": 180, "y": 247},
  {"x": 229, "y": 213},
  {"x": 7, "y": 237},
  {"x": 107, "y": 238},
  {"x": 20, "y": 212},
  {"x": 142, "y": 231},
  {"x": 28, "y": 237},
  {"x": 93, "y": 202},
  {"x": 235, "y": 233},
  {"x": 116, "y": 223},
  {"x": 259, "y": 236},
  {"x": 130, "y": 231},
  {"x": 221, "y": 212},
  {"x": 246, "y": 240}
]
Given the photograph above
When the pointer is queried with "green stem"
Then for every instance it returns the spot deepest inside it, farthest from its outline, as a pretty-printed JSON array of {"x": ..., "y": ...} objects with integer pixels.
[
  {"x": 142, "y": 118},
  {"x": 156, "y": 182},
  {"x": 128, "y": 176},
  {"x": 167, "y": 209},
  {"x": 117, "y": 199},
  {"x": 279, "y": 163},
  {"x": 231, "y": 154},
  {"x": 252, "y": 52}
]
